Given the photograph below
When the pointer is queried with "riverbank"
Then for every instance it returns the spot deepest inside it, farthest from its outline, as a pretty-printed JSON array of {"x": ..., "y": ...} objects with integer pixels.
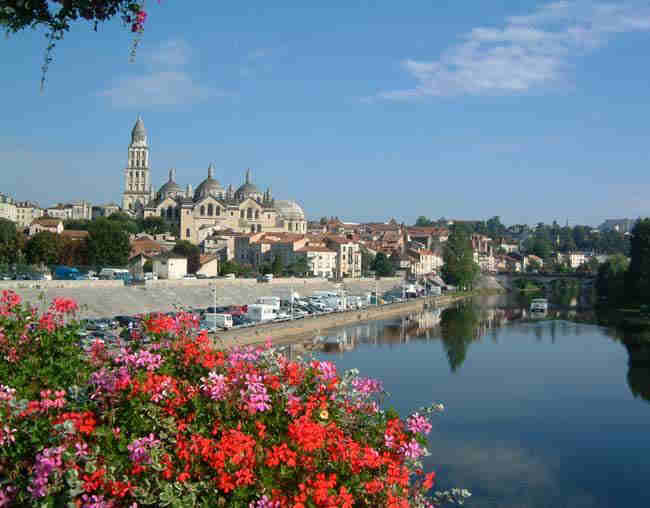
[{"x": 289, "y": 331}]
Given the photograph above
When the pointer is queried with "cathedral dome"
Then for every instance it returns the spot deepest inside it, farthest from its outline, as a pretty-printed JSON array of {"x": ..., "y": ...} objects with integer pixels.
[
  {"x": 208, "y": 186},
  {"x": 247, "y": 188},
  {"x": 289, "y": 210},
  {"x": 171, "y": 187}
]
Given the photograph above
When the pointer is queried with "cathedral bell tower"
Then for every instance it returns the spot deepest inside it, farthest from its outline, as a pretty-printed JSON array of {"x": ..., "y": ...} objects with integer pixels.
[{"x": 137, "y": 179}]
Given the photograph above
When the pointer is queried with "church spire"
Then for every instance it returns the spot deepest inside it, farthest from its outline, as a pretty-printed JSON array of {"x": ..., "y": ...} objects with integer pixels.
[
  {"x": 172, "y": 174},
  {"x": 211, "y": 171},
  {"x": 248, "y": 175}
]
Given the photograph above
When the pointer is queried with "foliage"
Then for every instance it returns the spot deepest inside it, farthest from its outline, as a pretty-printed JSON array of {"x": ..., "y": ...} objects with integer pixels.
[
  {"x": 277, "y": 267},
  {"x": 457, "y": 327},
  {"x": 299, "y": 267},
  {"x": 539, "y": 246},
  {"x": 43, "y": 247},
  {"x": 58, "y": 15},
  {"x": 108, "y": 243},
  {"x": 154, "y": 225},
  {"x": 124, "y": 221},
  {"x": 533, "y": 265},
  {"x": 76, "y": 224},
  {"x": 191, "y": 252},
  {"x": 367, "y": 261},
  {"x": 170, "y": 420},
  {"x": 231, "y": 266},
  {"x": 459, "y": 268},
  {"x": 11, "y": 242},
  {"x": 148, "y": 266},
  {"x": 423, "y": 221},
  {"x": 637, "y": 278},
  {"x": 382, "y": 265}
]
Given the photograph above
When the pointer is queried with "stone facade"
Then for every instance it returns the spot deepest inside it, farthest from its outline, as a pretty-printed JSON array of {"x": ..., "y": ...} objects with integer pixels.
[
  {"x": 8, "y": 208},
  {"x": 200, "y": 214}
]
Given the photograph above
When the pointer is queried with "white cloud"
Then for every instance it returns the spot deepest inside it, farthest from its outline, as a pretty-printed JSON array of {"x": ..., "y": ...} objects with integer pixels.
[
  {"x": 164, "y": 81},
  {"x": 172, "y": 53},
  {"x": 527, "y": 52}
]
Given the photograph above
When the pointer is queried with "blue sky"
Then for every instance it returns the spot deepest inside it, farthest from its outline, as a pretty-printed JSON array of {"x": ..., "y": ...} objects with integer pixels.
[{"x": 366, "y": 110}]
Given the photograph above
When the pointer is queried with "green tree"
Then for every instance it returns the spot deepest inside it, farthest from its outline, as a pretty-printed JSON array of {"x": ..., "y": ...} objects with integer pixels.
[
  {"x": 423, "y": 221},
  {"x": 367, "y": 261},
  {"x": 108, "y": 243},
  {"x": 610, "y": 281},
  {"x": 277, "y": 267},
  {"x": 154, "y": 225},
  {"x": 459, "y": 268},
  {"x": 77, "y": 224},
  {"x": 299, "y": 267},
  {"x": 637, "y": 278},
  {"x": 382, "y": 265},
  {"x": 43, "y": 247},
  {"x": 9, "y": 241},
  {"x": 124, "y": 221},
  {"x": 494, "y": 227},
  {"x": 191, "y": 252}
]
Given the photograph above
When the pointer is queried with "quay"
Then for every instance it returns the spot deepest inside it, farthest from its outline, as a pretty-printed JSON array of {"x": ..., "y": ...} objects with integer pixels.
[{"x": 289, "y": 331}]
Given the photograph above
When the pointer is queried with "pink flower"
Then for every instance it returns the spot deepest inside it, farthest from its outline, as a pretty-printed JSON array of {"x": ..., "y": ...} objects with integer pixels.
[
  {"x": 64, "y": 306},
  {"x": 418, "y": 424}
]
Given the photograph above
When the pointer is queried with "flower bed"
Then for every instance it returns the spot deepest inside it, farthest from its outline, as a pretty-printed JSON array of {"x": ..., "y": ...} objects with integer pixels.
[{"x": 172, "y": 420}]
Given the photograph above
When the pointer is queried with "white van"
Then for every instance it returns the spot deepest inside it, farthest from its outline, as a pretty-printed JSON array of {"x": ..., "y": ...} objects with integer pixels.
[
  {"x": 229, "y": 276},
  {"x": 273, "y": 301},
  {"x": 217, "y": 321},
  {"x": 324, "y": 294},
  {"x": 260, "y": 312},
  {"x": 113, "y": 273}
]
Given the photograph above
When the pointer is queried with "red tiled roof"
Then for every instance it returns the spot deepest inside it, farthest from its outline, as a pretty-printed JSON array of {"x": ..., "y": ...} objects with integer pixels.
[
  {"x": 47, "y": 222},
  {"x": 74, "y": 234}
]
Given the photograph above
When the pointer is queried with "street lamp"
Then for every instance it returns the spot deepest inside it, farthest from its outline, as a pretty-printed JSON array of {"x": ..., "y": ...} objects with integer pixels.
[{"x": 214, "y": 308}]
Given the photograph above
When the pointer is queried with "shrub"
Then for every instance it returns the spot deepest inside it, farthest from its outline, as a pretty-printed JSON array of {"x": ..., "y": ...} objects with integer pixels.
[{"x": 172, "y": 420}]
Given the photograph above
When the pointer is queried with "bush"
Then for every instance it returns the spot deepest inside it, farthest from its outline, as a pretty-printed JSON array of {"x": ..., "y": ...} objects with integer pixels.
[{"x": 173, "y": 421}]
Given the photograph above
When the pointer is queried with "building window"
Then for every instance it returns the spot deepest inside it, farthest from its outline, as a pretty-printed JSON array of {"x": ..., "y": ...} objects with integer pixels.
[
  {"x": 202, "y": 210},
  {"x": 257, "y": 214},
  {"x": 259, "y": 228},
  {"x": 210, "y": 210},
  {"x": 249, "y": 213},
  {"x": 187, "y": 233},
  {"x": 253, "y": 228},
  {"x": 217, "y": 210},
  {"x": 290, "y": 226},
  {"x": 177, "y": 213}
]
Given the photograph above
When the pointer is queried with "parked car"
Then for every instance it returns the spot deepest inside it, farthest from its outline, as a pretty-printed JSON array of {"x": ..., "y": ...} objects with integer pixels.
[
  {"x": 190, "y": 276},
  {"x": 241, "y": 320}
]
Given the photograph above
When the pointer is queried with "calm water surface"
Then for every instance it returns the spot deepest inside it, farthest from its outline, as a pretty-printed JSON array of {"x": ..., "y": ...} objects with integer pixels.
[{"x": 538, "y": 413}]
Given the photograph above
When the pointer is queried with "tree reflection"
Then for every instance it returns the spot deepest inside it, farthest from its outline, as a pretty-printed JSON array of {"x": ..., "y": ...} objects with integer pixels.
[
  {"x": 638, "y": 373},
  {"x": 459, "y": 328}
]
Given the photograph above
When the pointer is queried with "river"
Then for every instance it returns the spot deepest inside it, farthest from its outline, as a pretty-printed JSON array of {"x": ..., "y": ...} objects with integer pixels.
[{"x": 539, "y": 413}]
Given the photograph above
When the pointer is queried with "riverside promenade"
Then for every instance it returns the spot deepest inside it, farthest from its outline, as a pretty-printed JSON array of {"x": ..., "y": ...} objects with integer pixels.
[{"x": 289, "y": 331}]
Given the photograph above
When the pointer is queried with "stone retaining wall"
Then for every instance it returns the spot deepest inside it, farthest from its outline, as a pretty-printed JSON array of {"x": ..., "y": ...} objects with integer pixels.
[
  {"x": 111, "y": 298},
  {"x": 60, "y": 284},
  {"x": 287, "y": 331}
]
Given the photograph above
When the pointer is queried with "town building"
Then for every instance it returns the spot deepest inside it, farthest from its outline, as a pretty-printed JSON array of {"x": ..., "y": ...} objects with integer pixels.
[
  {"x": 8, "y": 209},
  {"x": 104, "y": 210},
  {"x": 618, "y": 225},
  {"x": 208, "y": 266},
  {"x": 168, "y": 265},
  {"x": 26, "y": 212},
  {"x": 320, "y": 259},
  {"x": 48, "y": 224},
  {"x": 211, "y": 207},
  {"x": 78, "y": 210}
]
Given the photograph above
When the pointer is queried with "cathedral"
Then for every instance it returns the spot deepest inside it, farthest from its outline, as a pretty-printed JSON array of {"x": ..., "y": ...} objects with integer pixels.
[{"x": 208, "y": 209}]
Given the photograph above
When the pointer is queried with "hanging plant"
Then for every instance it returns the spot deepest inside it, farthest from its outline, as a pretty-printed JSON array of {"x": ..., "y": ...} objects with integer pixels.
[{"x": 58, "y": 15}]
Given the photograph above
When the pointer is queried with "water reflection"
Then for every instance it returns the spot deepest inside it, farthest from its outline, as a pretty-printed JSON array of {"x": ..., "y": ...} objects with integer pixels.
[
  {"x": 543, "y": 410},
  {"x": 459, "y": 326}
]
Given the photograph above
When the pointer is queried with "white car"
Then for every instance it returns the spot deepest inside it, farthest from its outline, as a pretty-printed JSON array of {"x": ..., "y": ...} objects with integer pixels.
[{"x": 190, "y": 276}]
